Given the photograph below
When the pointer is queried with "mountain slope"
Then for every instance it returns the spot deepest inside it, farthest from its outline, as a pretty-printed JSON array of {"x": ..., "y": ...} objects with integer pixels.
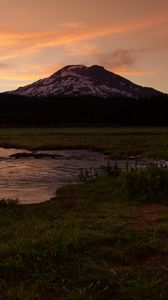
[{"x": 79, "y": 80}]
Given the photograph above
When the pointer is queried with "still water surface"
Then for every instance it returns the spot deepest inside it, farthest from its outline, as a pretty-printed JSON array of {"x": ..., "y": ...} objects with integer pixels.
[{"x": 33, "y": 180}]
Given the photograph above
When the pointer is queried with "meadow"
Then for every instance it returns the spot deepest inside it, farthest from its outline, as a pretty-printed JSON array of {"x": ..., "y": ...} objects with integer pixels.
[
  {"x": 115, "y": 142},
  {"x": 105, "y": 238}
]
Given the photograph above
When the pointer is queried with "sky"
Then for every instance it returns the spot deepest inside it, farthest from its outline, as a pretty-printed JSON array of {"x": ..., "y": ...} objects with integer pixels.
[{"x": 127, "y": 37}]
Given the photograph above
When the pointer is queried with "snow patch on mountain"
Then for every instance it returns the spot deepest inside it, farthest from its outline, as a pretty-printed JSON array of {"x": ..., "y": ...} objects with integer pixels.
[{"x": 79, "y": 80}]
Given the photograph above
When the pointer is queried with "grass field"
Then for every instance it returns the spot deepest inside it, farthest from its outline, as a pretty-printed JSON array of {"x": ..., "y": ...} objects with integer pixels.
[
  {"x": 93, "y": 242},
  {"x": 103, "y": 239},
  {"x": 116, "y": 142}
]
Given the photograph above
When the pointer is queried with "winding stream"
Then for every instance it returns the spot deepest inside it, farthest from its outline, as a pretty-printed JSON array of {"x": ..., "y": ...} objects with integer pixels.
[
  {"x": 36, "y": 179},
  {"x": 32, "y": 180}
]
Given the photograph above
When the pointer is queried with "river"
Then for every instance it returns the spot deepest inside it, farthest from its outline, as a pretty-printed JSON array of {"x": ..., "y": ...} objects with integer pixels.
[
  {"x": 34, "y": 180},
  {"x": 34, "y": 177}
]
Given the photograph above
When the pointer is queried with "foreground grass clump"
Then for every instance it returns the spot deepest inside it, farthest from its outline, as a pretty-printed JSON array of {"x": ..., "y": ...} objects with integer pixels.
[
  {"x": 149, "y": 184},
  {"x": 94, "y": 242},
  {"x": 8, "y": 203}
]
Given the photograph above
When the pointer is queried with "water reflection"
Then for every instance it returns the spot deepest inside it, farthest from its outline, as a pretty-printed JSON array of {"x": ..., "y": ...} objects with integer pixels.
[{"x": 33, "y": 180}]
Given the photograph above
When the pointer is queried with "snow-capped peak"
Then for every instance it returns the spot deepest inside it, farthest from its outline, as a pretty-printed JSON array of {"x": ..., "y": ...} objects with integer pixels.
[
  {"x": 79, "y": 80},
  {"x": 71, "y": 70}
]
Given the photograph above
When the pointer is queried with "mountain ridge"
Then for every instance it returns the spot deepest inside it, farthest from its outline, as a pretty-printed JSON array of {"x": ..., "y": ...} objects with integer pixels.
[{"x": 79, "y": 80}]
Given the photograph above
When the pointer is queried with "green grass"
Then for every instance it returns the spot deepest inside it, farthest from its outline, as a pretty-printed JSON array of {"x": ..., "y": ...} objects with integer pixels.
[
  {"x": 102, "y": 239},
  {"x": 116, "y": 142},
  {"x": 91, "y": 243}
]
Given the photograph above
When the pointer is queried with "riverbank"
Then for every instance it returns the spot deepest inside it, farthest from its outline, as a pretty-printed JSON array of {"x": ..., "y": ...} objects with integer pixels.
[
  {"x": 115, "y": 142},
  {"x": 34, "y": 177},
  {"x": 93, "y": 242}
]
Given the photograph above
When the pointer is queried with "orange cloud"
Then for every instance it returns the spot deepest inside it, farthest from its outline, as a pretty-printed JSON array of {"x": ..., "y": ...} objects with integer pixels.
[
  {"x": 27, "y": 43},
  {"x": 79, "y": 42},
  {"x": 124, "y": 72},
  {"x": 24, "y": 76}
]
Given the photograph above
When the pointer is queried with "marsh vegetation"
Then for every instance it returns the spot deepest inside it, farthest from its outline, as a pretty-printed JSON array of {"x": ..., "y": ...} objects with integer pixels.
[
  {"x": 105, "y": 238},
  {"x": 115, "y": 142}
]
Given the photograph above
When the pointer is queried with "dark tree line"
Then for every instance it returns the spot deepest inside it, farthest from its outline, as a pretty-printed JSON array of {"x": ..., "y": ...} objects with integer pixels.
[{"x": 83, "y": 111}]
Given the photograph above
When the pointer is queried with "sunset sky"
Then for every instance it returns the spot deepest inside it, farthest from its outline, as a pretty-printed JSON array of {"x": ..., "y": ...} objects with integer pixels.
[{"x": 128, "y": 37}]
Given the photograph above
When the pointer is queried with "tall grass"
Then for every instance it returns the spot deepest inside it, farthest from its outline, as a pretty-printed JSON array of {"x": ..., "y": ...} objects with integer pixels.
[{"x": 149, "y": 184}]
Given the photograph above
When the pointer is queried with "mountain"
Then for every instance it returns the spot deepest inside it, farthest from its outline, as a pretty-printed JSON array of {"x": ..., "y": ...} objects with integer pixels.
[{"x": 79, "y": 80}]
